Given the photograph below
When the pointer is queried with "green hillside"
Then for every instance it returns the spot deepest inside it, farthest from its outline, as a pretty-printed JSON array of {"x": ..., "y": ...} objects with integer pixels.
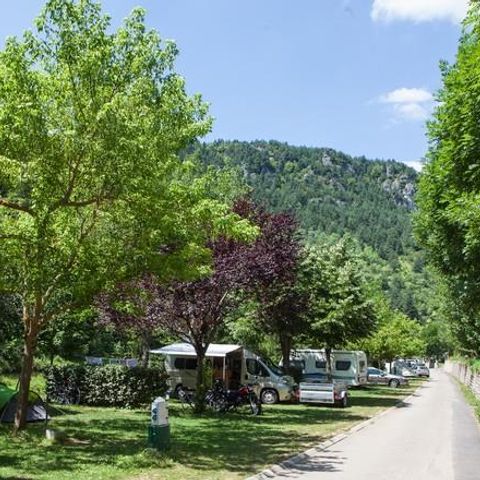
[{"x": 329, "y": 191}]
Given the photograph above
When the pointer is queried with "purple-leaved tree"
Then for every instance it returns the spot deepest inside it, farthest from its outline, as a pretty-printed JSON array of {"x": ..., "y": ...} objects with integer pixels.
[{"x": 273, "y": 261}]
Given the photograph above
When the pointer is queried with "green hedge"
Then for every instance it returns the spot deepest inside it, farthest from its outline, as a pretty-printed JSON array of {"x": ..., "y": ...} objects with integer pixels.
[{"x": 104, "y": 386}]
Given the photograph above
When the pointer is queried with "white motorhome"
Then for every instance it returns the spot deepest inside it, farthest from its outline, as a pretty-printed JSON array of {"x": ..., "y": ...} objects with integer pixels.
[
  {"x": 349, "y": 367},
  {"x": 233, "y": 364}
]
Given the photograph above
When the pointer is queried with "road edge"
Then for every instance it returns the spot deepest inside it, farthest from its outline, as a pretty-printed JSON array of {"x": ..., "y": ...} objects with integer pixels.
[{"x": 279, "y": 468}]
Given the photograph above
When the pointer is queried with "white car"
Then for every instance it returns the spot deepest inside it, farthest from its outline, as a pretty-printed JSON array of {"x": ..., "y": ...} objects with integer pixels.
[
  {"x": 379, "y": 377},
  {"x": 421, "y": 370}
]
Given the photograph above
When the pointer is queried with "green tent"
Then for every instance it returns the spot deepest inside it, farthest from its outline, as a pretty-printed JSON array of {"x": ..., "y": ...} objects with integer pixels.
[
  {"x": 5, "y": 395},
  {"x": 8, "y": 405}
]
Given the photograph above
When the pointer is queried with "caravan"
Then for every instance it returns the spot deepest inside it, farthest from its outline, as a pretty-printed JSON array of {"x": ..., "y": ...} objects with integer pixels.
[
  {"x": 233, "y": 364},
  {"x": 349, "y": 367}
]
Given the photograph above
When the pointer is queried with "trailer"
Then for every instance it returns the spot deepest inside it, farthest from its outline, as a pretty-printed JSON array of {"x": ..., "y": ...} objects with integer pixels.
[
  {"x": 329, "y": 393},
  {"x": 349, "y": 367}
]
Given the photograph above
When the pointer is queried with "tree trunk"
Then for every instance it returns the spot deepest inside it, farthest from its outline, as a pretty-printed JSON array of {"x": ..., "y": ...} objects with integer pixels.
[
  {"x": 30, "y": 343},
  {"x": 328, "y": 354},
  {"x": 286, "y": 346},
  {"x": 145, "y": 355},
  {"x": 200, "y": 389}
]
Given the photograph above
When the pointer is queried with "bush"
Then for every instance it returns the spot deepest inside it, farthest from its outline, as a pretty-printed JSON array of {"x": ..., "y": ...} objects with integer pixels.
[{"x": 104, "y": 386}]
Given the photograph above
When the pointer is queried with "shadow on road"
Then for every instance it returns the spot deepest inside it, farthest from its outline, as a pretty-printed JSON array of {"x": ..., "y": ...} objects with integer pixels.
[{"x": 328, "y": 462}]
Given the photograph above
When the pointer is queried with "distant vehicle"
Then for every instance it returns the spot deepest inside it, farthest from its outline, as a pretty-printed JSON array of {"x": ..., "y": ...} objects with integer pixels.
[
  {"x": 330, "y": 393},
  {"x": 421, "y": 370},
  {"x": 379, "y": 377},
  {"x": 234, "y": 364},
  {"x": 349, "y": 367},
  {"x": 404, "y": 368}
]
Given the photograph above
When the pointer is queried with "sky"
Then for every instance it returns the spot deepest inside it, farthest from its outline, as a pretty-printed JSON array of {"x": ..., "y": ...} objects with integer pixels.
[{"x": 355, "y": 75}]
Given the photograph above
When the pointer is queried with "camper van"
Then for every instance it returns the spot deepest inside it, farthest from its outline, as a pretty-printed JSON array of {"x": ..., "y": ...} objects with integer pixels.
[
  {"x": 233, "y": 364},
  {"x": 349, "y": 367}
]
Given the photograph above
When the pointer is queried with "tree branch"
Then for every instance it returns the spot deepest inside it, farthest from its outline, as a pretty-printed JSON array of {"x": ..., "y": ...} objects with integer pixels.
[{"x": 15, "y": 206}]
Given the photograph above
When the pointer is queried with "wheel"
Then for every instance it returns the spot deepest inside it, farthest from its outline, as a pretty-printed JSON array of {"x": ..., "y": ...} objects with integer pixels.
[
  {"x": 177, "y": 390},
  {"x": 394, "y": 383},
  {"x": 255, "y": 405},
  {"x": 269, "y": 396}
]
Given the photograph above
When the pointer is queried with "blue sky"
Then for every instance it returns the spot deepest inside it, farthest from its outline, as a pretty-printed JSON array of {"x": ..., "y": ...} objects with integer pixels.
[{"x": 354, "y": 75}]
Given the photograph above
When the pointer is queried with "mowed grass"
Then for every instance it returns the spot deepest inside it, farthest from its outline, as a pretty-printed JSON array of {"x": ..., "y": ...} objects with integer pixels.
[{"x": 106, "y": 443}]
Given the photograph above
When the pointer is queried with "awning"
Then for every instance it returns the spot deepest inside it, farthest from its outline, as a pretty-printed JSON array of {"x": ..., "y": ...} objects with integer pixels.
[{"x": 187, "y": 350}]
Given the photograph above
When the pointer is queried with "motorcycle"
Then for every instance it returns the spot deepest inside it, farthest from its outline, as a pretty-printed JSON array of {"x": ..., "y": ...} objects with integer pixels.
[{"x": 223, "y": 400}]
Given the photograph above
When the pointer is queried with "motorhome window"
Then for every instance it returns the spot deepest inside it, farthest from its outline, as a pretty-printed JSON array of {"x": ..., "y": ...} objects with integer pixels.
[
  {"x": 298, "y": 364},
  {"x": 190, "y": 364},
  {"x": 179, "y": 363},
  {"x": 342, "y": 365},
  {"x": 322, "y": 364}
]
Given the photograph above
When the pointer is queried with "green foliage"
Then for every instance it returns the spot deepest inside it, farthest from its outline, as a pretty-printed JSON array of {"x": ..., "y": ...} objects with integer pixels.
[
  {"x": 11, "y": 333},
  {"x": 396, "y": 336},
  {"x": 438, "y": 339},
  {"x": 448, "y": 221},
  {"x": 339, "y": 305},
  {"x": 92, "y": 190},
  {"x": 107, "y": 386}
]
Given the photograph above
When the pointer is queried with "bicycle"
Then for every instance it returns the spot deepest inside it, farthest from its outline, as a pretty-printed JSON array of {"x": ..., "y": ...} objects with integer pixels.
[{"x": 66, "y": 395}]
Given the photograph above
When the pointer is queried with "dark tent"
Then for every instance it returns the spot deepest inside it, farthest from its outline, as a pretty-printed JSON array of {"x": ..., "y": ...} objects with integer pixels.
[{"x": 8, "y": 406}]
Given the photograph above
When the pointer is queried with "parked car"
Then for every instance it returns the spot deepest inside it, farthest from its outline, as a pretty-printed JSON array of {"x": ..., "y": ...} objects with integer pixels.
[
  {"x": 375, "y": 376},
  {"x": 421, "y": 370}
]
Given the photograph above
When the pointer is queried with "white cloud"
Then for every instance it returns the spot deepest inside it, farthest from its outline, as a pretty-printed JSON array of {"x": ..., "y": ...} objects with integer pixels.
[
  {"x": 409, "y": 103},
  {"x": 416, "y": 164},
  {"x": 407, "y": 95},
  {"x": 419, "y": 10}
]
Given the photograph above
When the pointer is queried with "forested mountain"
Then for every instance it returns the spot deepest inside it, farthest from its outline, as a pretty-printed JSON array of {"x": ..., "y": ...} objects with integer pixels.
[{"x": 329, "y": 191}]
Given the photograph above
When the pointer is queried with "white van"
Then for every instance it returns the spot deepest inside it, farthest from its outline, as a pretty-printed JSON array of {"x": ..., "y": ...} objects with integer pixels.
[
  {"x": 233, "y": 364},
  {"x": 349, "y": 367}
]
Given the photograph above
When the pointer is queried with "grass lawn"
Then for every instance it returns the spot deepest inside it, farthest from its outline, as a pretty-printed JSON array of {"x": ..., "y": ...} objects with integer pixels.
[{"x": 108, "y": 443}]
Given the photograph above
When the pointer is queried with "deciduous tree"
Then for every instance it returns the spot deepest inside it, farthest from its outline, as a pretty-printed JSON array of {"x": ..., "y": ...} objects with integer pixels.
[
  {"x": 273, "y": 260},
  {"x": 448, "y": 221},
  {"x": 339, "y": 307},
  {"x": 91, "y": 120}
]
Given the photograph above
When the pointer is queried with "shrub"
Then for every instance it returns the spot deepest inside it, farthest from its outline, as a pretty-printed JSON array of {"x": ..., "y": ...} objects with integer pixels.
[{"x": 105, "y": 386}]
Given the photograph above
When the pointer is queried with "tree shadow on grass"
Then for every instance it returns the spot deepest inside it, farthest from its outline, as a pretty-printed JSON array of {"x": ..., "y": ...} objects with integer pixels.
[{"x": 231, "y": 442}]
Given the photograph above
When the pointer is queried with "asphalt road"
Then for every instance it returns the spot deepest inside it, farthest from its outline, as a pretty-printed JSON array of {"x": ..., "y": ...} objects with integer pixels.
[{"x": 433, "y": 436}]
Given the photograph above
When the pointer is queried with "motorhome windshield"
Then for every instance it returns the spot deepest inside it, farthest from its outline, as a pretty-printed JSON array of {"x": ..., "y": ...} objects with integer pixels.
[{"x": 274, "y": 368}]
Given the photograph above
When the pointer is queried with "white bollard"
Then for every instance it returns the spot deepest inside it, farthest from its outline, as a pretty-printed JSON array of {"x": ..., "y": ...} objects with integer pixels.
[{"x": 159, "y": 412}]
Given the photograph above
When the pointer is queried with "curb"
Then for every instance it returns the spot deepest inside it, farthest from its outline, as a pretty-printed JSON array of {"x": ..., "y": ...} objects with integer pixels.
[{"x": 300, "y": 458}]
